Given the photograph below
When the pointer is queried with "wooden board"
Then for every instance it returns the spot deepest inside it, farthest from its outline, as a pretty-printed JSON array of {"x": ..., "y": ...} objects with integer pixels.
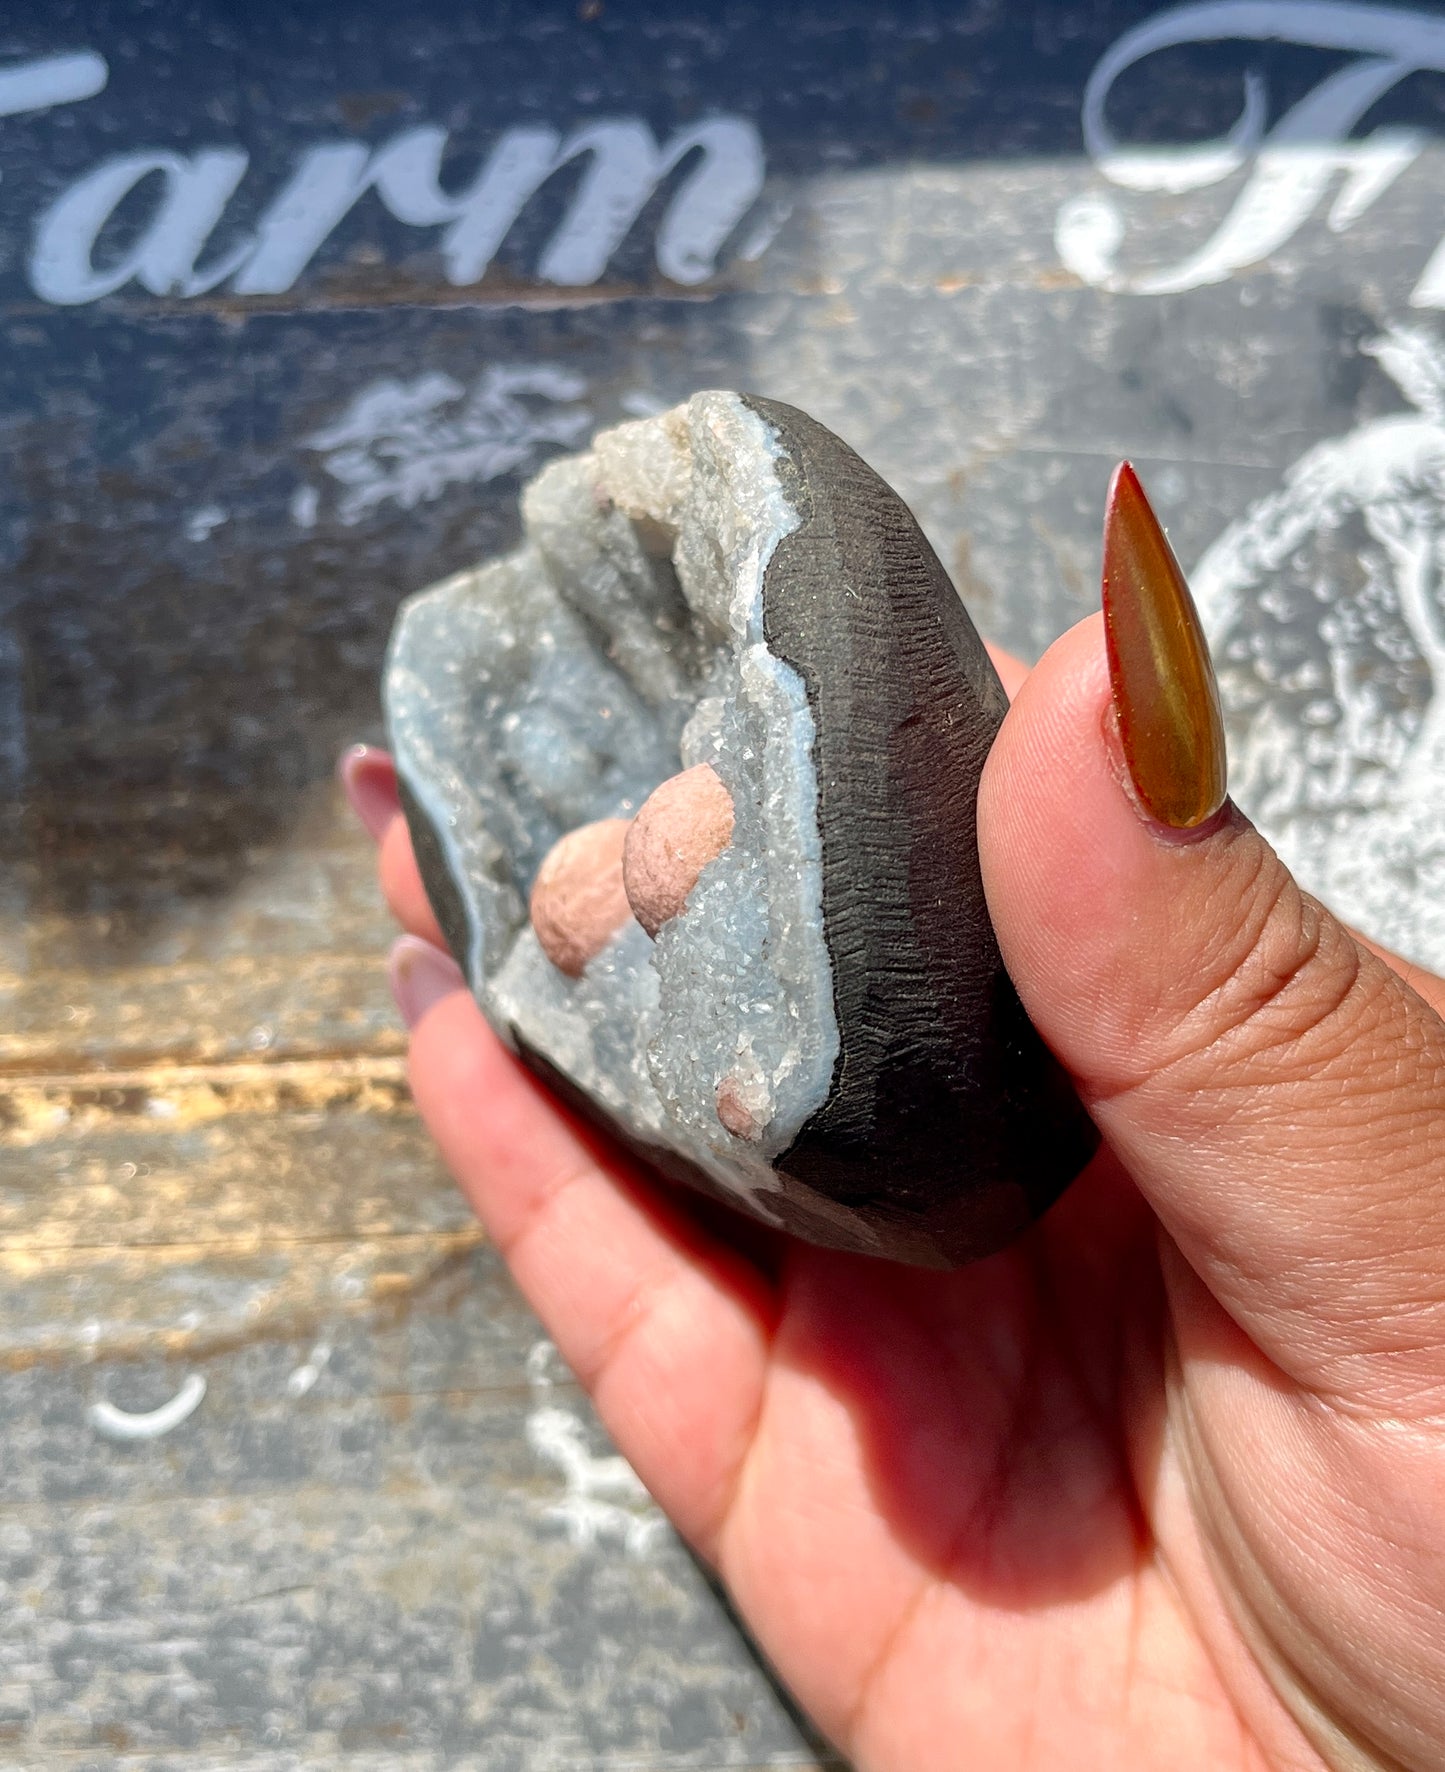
[
  {"x": 389, "y": 1535},
  {"x": 374, "y": 1540}
]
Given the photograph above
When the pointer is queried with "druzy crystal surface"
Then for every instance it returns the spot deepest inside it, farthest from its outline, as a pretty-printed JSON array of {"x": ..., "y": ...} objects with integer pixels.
[{"x": 726, "y": 584}]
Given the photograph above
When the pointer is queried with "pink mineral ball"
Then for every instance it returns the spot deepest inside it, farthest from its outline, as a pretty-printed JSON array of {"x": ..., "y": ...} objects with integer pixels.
[
  {"x": 578, "y": 900},
  {"x": 682, "y": 826},
  {"x": 735, "y": 1112}
]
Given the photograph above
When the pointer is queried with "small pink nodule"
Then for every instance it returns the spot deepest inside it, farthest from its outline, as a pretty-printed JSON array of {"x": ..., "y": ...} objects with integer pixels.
[
  {"x": 578, "y": 901},
  {"x": 734, "y": 1112},
  {"x": 681, "y": 827}
]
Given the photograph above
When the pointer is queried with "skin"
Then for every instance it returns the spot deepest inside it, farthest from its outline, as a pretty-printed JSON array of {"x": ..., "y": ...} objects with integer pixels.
[{"x": 1160, "y": 1486}]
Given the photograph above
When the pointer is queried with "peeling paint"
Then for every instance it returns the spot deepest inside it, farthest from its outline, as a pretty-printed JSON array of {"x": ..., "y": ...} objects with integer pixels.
[{"x": 119, "y": 1424}]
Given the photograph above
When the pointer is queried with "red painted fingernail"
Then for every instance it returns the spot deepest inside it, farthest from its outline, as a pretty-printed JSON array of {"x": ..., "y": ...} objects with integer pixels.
[
  {"x": 1165, "y": 692},
  {"x": 369, "y": 777},
  {"x": 421, "y": 976}
]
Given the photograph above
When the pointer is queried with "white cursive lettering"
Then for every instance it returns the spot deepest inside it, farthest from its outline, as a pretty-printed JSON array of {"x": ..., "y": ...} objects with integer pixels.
[
  {"x": 1295, "y": 163},
  {"x": 194, "y": 193},
  {"x": 625, "y": 165},
  {"x": 51, "y": 80}
]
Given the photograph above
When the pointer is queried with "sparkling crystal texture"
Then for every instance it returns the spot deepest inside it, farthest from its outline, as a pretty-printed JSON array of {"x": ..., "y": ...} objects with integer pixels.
[{"x": 825, "y": 1036}]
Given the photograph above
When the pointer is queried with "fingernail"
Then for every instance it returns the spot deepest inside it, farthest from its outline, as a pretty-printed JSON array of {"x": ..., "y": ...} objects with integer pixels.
[
  {"x": 369, "y": 777},
  {"x": 420, "y": 976},
  {"x": 1165, "y": 693}
]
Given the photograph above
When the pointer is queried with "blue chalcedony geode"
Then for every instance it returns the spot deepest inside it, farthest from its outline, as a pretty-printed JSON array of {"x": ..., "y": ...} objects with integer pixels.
[{"x": 825, "y": 1036}]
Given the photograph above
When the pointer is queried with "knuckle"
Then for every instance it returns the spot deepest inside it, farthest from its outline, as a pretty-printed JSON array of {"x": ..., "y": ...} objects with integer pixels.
[
  {"x": 1281, "y": 996},
  {"x": 1295, "y": 985}
]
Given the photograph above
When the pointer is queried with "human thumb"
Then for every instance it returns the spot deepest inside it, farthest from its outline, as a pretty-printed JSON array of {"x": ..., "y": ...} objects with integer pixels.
[{"x": 1277, "y": 1092}]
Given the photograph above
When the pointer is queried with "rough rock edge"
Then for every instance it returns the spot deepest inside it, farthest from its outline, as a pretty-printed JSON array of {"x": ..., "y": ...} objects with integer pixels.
[{"x": 719, "y": 430}]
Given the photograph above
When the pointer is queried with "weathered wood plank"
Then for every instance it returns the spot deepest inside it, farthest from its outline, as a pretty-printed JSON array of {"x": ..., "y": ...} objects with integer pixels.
[
  {"x": 231, "y": 1156},
  {"x": 351, "y": 1554},
  {"x": 63, "y": 1305},
  {"x": 149, "y": 879},
  {"x": 341, "y": 1574},
  {"x": 202, "y": 1013}
]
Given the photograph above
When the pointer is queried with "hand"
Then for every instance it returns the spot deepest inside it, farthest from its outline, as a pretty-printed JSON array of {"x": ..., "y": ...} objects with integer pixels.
[{"x": 1163, "y": 1485}]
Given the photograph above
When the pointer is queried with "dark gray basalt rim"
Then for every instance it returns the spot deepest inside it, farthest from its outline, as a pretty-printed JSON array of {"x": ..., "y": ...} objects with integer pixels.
[{"x": 949, "y": 1125}]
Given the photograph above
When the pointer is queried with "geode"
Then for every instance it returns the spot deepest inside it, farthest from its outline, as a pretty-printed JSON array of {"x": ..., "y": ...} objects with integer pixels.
[{"x": 825, "y": 1035}]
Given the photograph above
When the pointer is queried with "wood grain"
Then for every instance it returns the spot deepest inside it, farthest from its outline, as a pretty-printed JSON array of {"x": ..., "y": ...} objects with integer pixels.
[{"x": 352, "y": 1550}]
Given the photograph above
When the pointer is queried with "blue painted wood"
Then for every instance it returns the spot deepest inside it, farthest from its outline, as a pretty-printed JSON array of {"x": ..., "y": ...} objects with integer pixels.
[{"x": 223, "y": 472}]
